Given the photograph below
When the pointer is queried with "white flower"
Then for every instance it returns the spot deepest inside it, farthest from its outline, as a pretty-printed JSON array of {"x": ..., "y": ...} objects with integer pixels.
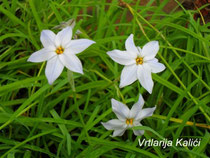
[
  {"x": 139, "y": 63},
  {"x": 128, "y": 118},
  {"x": 59, "y": 51}
]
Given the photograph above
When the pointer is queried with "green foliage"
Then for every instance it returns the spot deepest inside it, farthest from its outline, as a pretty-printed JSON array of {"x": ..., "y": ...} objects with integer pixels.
[{"x": 42, "y": 120}]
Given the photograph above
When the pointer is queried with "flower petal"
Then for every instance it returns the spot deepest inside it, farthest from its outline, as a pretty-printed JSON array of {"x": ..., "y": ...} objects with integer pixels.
[
  {"x": 155, "y": 66},
  {"x": 53, "y": 69},
  {"x": 118, "y": 132},
  {"x": 114, "y": 124},
  {"x": 150, "y": 50},
  {"x": 137, "y": 107},
  {"x": 139, "y": 51},
  {"x": 121, "y": 57},
  {"x": 138, "y": 132},
  {"x": 63, "y": 37},
  {"x": 71, "y": 61},
  {"x": 145, "y": 113},
  {"x": 120, "y": 109},
  {"x": 145, "y": 78},
  {"x": 128, "y": 75},
  {"x": 130, "y": 46},
  {"x": 152, "y": 60},
  {"x": 79, "y": 45},
  {"x": 41, "y": 55},
  {"x": 47, "y": 38}
]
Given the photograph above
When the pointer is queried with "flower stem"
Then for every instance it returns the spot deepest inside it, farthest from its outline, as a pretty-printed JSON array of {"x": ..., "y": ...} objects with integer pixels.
[{"x": 180, "y": 121}]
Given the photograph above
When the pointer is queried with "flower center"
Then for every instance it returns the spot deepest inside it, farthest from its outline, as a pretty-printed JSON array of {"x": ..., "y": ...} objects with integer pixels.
[
  {"x": 129, "y": 121},
  {"x": 59, "y": 50},
  {"x": 139, "y": 60}
]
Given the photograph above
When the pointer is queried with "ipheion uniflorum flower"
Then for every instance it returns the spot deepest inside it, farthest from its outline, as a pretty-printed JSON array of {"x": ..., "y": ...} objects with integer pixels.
[
  {"x": 60, "y": 51},
  {"x": 128, "y": 118},
  {"x": 139, "y": 63}
]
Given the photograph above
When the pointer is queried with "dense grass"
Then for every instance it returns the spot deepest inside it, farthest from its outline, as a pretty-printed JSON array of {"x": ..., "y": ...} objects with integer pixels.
[{"x": 42, "y": 120}]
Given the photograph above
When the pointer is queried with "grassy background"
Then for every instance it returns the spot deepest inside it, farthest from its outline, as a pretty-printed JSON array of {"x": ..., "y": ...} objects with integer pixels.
[{"x": 39, "y": 120}]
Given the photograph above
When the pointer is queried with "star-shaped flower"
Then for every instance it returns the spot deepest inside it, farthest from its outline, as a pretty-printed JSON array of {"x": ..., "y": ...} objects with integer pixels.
[
  {"x": 59, "y": 51},
  {"x": 139, "y": 63},
  {"x": 128, "y": 118}
]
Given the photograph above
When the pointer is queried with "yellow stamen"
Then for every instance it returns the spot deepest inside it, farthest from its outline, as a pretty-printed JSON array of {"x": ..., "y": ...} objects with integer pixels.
[
  {"x": 59, "y": 50},
  {"x": 129, "y": 121},
  {"x": 139, "y": 60}
]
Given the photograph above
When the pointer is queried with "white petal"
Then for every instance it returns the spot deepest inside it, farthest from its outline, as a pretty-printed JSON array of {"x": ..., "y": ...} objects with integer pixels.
[
  {"x": 139, "y": 51},
  {"x": 41, "y": 55},
  {"x": 63, "y": 37},
  {"x": 138, "y": 132},
  {"x": 122, "y": 57},
  {"x": 145, "y": 78},
  {"x": 71, "y": 61},
  {"x": 118, "y": 132},
  {"x": 145, "y": 113},
  {"x": 128, "y": 75},
  {"x": 79, "y": 45},
  {"x": 114, "y": 124},
  {"x": 53, "y": 69},
  {"x": 137, "y": 107},
  {"x": 150, "y": 50},
  {"x": 120, "y": 109},
  {"x": 152, "y": 60},
  {"x": 155, "y": 66},
  {"x": 130, "y": 46},
  {"x": 47, "y": 38}
]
